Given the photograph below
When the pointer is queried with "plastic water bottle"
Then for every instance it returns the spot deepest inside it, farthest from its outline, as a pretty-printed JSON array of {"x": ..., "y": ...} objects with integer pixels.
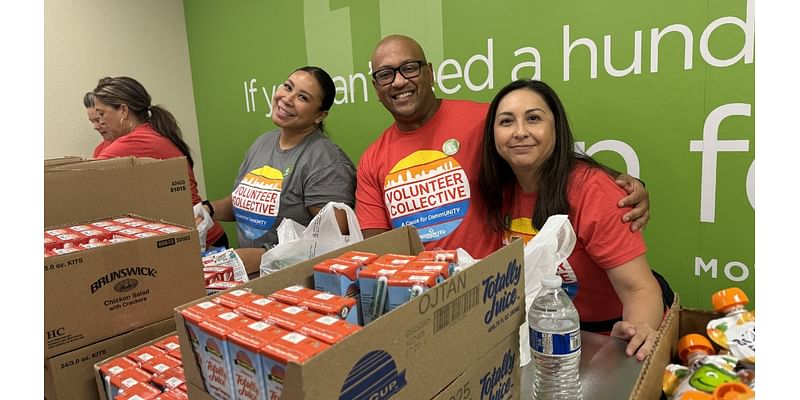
[{"x": 555, "y": 339}]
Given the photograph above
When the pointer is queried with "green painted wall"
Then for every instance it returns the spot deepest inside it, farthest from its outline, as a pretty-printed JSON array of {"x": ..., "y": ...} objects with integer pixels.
[{"x": 682, "y": 121}]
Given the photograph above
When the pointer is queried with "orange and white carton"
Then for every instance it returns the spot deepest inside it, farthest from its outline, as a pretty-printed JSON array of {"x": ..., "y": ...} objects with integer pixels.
[
  {"x": 145, "y": 354},
  {"x": 193, "y": 316},
  {"x": 126, "y": 379},
  {"x": 217, "y": 373},
  {"x": 291, "y": 317},
  {"x": 173, "y": 395},
  {"x": 342, "y": 307},
  {"x": 292, "y": 295},
  {"x": 276, "y": 354},
  {"x": 340, "y": 276},
  {"x": 406, "y": 285},
  {"x": 139, "y": 391},
  {"x": 372, "y": 281},
  {"x": 235, "y": 298},
  {"x": 221, "y": 286},
  {"x": 362, "y": 257},
  {"x": 168, "y": 344},
  {"x": 160, "y": 364},
  {"x": 260, "y": 308},
  {"x": 114, "y": 367},
  {"x": 443, "y": 268},
  {"x": 170, "y": 379},
  {"x": 248, "y": 372},
  {"x": 394, "y": 259},
  {"x": 328, "y": 329}
]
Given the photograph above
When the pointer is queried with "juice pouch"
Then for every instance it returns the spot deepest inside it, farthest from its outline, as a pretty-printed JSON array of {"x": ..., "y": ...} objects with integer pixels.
[
  {"x": 703, "y": 371},
  {"x": 736, "y": 331}
]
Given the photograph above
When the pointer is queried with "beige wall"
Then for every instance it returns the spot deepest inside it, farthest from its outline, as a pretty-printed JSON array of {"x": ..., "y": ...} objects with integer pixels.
[{"x": 85, "y": 40}]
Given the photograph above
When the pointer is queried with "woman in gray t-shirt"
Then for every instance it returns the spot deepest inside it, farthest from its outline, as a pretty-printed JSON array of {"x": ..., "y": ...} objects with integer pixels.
[{"x": 289, "y": 172}]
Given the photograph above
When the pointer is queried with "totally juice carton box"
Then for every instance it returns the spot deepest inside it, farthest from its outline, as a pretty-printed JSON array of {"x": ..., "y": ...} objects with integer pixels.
[
  {"x": 292, "y": 295},
  {"x": 486, "y": 300},
  {"x": 276, "y": 354},
  {"x": 407, "y": 284},
  {"x": 373, "y": 282},
  {"x": 342, "y": 307},
  {"x": 244, "y": 347},
  {"x": 213, "y": 337},
  {"x": 328, "y": 329}
]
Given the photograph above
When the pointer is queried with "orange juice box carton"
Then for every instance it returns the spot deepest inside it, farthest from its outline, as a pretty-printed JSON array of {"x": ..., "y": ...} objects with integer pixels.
[
  {"x": 358, "y": 256},
  {"x": 260, "y": 308},
  {"x": 126, "y": 379},
  {"x": 160, "y": 364},
  {"x": 136, "y": 222},
  {"x": 139, "y": 391},
  {"x": 328, "y": 329},
  {"x": 193, "y": 316},
  {"x": 114, "y": 228},
  {"x": 217, "y": 371},
  {"x": 440, "y": 267},
  {"x": 79, "y": 228},
  {"x": 292, "y": 295},
  {"x": 103, "y": 223},
  {"x": 147, "y": 234},
  {"x": 168, "y": 344},
  {"x": 394, "y": 259},
  {"x": 235, "y": 298},
  {"x": 99, "y": 234},
  {"x": 176, "y": 354},
  {"x": 342, "y": 307},
  {"x": 225, "y": 271},
  {"x": 448, "y": 256},
  {"x": 291, "y": 317},
  {"x": 70, "y": 239},
  {"x": 65, "y": 250},
  {"x": 170, "y": 379},
  {"x": 406, "y": 285},
  {"x": 130, "y": 232},
  {"x": 372, "y": 281},
  {"x": 154, "y": 226},
  {"x": 50, "y": 241},
  {"x": 145, "y": 354},
  {"x": 92, "y": 244},
  {"x": 337, "y": 276},
  {"x": 114, "y": 367},
  {"x": 248, "y": 372},
  {"x": 276, "y": 354},
  {"x": 221, "y": 286}
]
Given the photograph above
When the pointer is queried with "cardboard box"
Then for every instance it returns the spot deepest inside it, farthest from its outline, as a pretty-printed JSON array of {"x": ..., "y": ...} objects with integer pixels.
[
  {"x": 102, "y": 292},
  {"x": 70, "y": 376},
  {"x": 422, "y": 346},
  {"x": 78, "y": 191},
  {"x": 54, "y": 162},
  {"x": 497, "y": 375},
  {"x": 678, "y": 322},
  {"x": 99, "y": 384}
]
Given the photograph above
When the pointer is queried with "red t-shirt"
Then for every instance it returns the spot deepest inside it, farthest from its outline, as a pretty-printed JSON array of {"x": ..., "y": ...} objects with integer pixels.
[
  {"x": 143, "y": 141},
  {"x": 100, "y": 146},
  {"x": 603, "y": 240},
  {"x": 428, "y": 178}
]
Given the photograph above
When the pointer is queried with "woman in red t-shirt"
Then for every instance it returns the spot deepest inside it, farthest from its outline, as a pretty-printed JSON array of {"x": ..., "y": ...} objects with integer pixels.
[
  {"x": 135, "y": 127},
  {"x": 531, "y": 171}
]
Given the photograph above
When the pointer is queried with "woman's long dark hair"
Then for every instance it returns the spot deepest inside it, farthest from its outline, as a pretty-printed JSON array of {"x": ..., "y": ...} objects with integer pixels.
[
  {"x": 125, "y": 90},
  {"x": 497, "y": 180}
]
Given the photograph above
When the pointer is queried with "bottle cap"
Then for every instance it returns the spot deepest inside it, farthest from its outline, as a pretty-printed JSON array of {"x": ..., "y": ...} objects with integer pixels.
[
  {"x": 691, "y": 343},
  {"x": 727, "y": 298},
  {"x": 551, "y": 281},
  {"x": 733, "y": 391},
  {"x": 696, "y": 395}
]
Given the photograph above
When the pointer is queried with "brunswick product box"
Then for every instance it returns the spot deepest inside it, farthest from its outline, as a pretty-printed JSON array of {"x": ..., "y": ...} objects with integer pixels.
[
  {"x": 496, "y": 376},
  {"x": 101, "y": 292},
  {"x": 415, "y": 350},
  {"x": 81, "y": 190},
  {"x": 678, "y": 322},
  {"x": 70, "y": 376}
]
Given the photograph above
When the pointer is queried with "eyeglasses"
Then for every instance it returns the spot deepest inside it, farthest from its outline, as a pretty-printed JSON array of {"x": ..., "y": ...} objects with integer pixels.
[{"x": 411, "y": 69}]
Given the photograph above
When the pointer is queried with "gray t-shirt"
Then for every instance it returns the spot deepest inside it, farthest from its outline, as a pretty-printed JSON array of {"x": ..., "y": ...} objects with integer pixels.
[{"x": 274, "y": 184}]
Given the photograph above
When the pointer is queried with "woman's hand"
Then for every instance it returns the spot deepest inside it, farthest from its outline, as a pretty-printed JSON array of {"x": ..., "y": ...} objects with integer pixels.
[
  {"x": 639, "y": 198},
  {"x": 641, "y": 338}
]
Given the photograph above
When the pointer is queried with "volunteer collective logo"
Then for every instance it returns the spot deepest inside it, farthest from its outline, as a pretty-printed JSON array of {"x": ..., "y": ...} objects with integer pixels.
[
  {"x": 256, "y": 201},
  {"x": 429, "y": 190}
]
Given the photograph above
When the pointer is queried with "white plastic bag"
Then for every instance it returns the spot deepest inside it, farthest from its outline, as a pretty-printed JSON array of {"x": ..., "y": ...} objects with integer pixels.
[
  {"x": 297, "y": 243},
  {"x": 543, "y": 254},
  {"x": 204, "y": 225}
]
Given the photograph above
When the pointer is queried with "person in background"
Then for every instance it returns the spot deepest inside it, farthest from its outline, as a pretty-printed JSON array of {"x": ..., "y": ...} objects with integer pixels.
[
  {"x": 423, "y": 169},
  {"x": 529, "y": 172},
  {"x": 288, "y": 172},
  {"x": 94, "y": 118},
  {"x": 135, "y": 127}
]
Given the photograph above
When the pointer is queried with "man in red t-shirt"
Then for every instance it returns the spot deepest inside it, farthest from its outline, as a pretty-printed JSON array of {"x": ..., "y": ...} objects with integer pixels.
[{"x": 423, "y": 169}]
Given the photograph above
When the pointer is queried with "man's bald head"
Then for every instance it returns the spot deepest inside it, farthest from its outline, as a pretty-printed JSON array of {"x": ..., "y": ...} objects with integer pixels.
[{"x": 399, "y": 42}]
